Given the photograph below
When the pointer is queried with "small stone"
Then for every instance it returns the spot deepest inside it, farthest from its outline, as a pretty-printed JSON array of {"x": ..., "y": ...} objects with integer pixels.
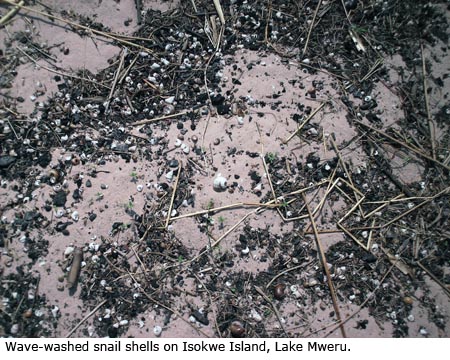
[
  {"x": 6, "y": 160},
  {"x": 411, "y": 318},
  {"x": 279, "y": 291},
  {"x": 139, "y": 187},
  {"x": 216, "y": 141},
  {"x": 174, "y": 163},
  {"x": 408, "y": 300},
  {"x": 170, "y": 99},
  {"x": 200, "y": 317},
  {"x": 237, "y": 330},
  {"x": 103, "y": 186},
  {"x": 28, "y": 313},
  {"x": 88, "y": 183},
  {"x": 60, "y": 198},
  {"x": 311, "y": 282}
]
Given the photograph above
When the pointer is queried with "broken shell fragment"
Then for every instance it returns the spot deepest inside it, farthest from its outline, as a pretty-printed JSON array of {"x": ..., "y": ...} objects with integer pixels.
[
  {"x": 75, "y": 216},
  {"x": 220, "y": 183},
  {"x": 185, "y": 148}
]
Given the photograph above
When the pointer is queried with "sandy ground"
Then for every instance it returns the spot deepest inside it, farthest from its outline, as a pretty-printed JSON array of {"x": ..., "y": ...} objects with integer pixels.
[{"x": 120, "y": 186}]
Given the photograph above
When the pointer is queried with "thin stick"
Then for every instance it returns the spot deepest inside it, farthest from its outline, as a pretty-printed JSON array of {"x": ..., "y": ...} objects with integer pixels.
[
  {"x": 275, "y": 310},
  {"x": 427, "y": 105},
  {"x": 94, "y": 31},
  {"x": 311, "y": 26},
  {"x": 431, "y": 275},
  {"x": 222, "y": 237},
  {"x": 60, "y": 72},
  {"x": 363, "y": 303},
  {"x": 69, "y": 334},
  {"x": 116, "y": 78},
  {"x": 304, "y": 122},
  {"x": 403, "y": 144},
  {"x": 225, "y": 207},
  {"x": 219, "y": 11},
  {"x": 10, "y": 14},
  {"x": 147, "y": 121},
  {"x": 325, "y": 267},
  {"x": 286, "y": 271},
  {"x": 173, "y": 194}
]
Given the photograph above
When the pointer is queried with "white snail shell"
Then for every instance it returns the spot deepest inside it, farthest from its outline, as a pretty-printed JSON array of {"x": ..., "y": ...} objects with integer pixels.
[{"x": 220, "y": 183}]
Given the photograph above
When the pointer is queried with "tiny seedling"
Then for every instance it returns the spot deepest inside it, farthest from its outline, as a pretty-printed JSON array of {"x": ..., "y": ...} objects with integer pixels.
[
  {"x": 221, "y": 220},
  {"x": 130, "y": 205},
  {"x": 99, "y": 196},
  {"x": 270, "y": 157},
  {"x": 210, "y": 204},
  {"x": 134, "y": 176}
]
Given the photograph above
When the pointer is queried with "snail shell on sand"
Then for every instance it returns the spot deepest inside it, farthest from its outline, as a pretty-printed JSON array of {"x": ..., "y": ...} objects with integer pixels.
[
  {"x": 220, "y": 183},
  {"x": 237, "y": 330}
]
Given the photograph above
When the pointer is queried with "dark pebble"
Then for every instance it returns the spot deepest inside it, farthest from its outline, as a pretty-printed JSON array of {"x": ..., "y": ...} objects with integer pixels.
[
  {"x": 200, "y": 317},
  {"x": 122, "y": 148},
  {"x": 279, "y": 291},
  {"x": 76, "y": 194},
  {"x": 61, "y": 226},
  {"x": 180, "y": 125},
  {"x": 88, "y": 183},
  {"x": 173, "y": 163},
  {"x": 6, "y": 160},
  {"x": 60, "y": 198}
]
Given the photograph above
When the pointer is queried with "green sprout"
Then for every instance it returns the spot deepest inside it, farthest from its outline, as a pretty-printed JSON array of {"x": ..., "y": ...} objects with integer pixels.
[
  {"x": 134, "y": 176},
  {"x": 130, "y": 205},
  {"x": 221, "y": 220},
  {"x": 210, "y": 204},
  {"x": 270, "y": 157}
]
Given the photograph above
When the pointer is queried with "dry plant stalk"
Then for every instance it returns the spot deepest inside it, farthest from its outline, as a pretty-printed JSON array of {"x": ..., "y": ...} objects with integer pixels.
[
  {"x": 219, "y": 11},
  {"x": 305, "y": 122},
  {"x": 116, "y": 78},
  {"x": 420, "y": 153},
  {"x": 108, "y": 35},
  {"x": 173, "y": 195},
  {"x": 311, "y": 27},
  {"x": 92, "y": 312},
  {"x": 10, "y": 14},
  {"x": 431, "y": 126},
  {"x": 275, "y": 310},
  {"x": 147, "y": 121},
  {"x": 326, "y": 270}
]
